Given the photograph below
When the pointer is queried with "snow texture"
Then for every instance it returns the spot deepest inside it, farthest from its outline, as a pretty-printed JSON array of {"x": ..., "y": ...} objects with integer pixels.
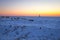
[{"x": 29, "y": 28}]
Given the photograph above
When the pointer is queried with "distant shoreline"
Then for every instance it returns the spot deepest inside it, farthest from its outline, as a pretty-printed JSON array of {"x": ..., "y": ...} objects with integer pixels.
[{"x": 30, "y": 16}]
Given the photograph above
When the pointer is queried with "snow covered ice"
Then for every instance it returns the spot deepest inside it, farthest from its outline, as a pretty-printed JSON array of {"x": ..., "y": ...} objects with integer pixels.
[{"x": 29, "y": 28}]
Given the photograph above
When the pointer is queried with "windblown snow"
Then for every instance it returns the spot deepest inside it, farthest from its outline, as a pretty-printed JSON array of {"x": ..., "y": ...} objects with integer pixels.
[{"x": 29, "y": 28}]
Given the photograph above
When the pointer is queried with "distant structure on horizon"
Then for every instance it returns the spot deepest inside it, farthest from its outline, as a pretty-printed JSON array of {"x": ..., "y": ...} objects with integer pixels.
[{"x": 39, "y": 15}]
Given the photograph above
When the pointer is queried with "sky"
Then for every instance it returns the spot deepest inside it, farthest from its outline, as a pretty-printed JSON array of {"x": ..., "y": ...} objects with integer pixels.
[{"x": 30, "y": 7}]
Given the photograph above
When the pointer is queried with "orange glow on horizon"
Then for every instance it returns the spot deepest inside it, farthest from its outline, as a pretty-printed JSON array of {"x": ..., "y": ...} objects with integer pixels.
[
  {"x": 29, "y": 14},
  {"x": 30, "y": 8}
]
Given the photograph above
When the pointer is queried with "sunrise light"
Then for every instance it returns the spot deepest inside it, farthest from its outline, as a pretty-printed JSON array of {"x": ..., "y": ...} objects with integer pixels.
[{"x": 30, "y": 8}]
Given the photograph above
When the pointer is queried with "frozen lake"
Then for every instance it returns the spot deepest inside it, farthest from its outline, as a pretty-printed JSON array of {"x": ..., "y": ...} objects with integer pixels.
[{"x": 29, "y": 28}]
